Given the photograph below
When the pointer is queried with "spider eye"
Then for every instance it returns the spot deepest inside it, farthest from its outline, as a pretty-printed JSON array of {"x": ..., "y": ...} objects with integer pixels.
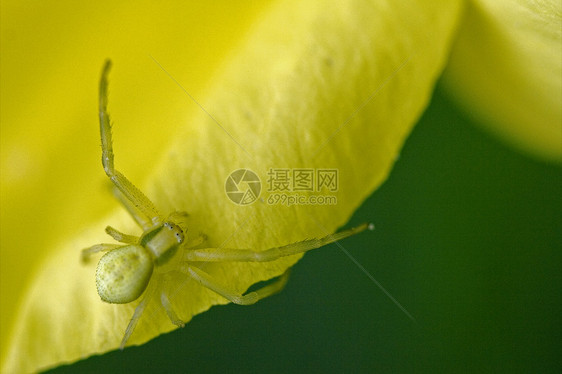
[{"x": 179, "y": 236}]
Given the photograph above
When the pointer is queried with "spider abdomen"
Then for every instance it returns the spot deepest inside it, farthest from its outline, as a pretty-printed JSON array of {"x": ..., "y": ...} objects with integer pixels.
[{"x": 123, "y": 274}]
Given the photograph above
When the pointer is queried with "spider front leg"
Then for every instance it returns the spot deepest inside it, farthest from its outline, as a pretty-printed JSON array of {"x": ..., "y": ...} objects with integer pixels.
[
  {"x": 250, "y": 298},
  {"x": 142, "y": 220},
  {"x": 271, "y": 254},
  {"x": 250, "y": 255},
  {"x": 170, "y": 310},
  {"x": 130, "y": 192}
]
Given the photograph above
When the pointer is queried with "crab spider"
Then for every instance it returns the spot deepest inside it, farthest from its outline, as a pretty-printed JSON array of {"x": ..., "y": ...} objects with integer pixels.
[{"x": 135, "y": 268}]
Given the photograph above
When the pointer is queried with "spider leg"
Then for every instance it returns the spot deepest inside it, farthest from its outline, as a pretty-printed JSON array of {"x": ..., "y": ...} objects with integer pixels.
[
  {"x": 250, "y": 298},
  {"x": 170, "y": 310},
  {"x": 138, "y": 311},
  {"x": 202, "y": 238},
  {"x": 131, "y": 193},
  {"x": 141, "y": 219},
  {"x": 179, "y": 217},
  {"x": 87, "y": 252},
  {"x": 120, "y": 237},
  {"x": 271, "y": 254}
]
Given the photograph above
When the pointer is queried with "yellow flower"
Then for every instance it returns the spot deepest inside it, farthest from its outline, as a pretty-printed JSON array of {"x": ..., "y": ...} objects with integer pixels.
[
  {"x": 506, "y": 68},
  {"x": 295, "y": 85}
]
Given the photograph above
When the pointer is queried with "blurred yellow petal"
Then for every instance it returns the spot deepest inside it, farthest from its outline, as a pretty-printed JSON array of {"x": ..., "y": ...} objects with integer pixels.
[
  {"x": 52, "y": 51},
  {"x": 506, "y": 69},
  {"x": 336, "y": 87}
]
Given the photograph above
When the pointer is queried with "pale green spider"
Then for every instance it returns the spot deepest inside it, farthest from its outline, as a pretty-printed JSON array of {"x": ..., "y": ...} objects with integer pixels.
[{"x": 127, "y": 271}]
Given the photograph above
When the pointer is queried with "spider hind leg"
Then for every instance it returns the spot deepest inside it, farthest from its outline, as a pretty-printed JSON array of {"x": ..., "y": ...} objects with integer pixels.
[
  {"x": 121, "y": 237},
  {"x": 88, "y": 252}
]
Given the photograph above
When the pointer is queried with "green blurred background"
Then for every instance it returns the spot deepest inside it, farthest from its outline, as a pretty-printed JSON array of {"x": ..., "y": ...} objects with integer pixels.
[{"x": 468, "y": 239}]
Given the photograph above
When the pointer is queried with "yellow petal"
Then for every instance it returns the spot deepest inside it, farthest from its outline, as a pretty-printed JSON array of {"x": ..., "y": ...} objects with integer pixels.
[
  {"x": 310, "y": 88},
  {"x": 506, "y": 68},
  {"x": 51, "y": 185}
]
